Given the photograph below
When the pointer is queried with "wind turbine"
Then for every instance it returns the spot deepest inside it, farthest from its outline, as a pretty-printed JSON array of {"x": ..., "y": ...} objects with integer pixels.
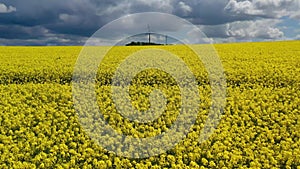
[{"x": 149, "y": 34}]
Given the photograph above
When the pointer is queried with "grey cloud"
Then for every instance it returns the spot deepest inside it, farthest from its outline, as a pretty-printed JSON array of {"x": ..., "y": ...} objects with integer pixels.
[
  {"x": 42, "y": 20},
  {"x": 133, "y": 25},
  {"x": 183, "y": 9},
  {"x": 296, "y": 15},
  {"x": 21, "y": 32},
  {"x": 263, "y": 8},
  {"x": 83, "y": 18},
  {"x": 245, "y": 30},
  {"x": 6, "y": 9},
  {"x": 49, "y": 40},
  {"x": 260, "y": 29},
  {"x": 215, "y": 31}
]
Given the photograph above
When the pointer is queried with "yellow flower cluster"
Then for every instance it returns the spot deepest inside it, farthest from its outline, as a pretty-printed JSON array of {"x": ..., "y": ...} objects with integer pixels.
[{"x": 259, "y": 127}]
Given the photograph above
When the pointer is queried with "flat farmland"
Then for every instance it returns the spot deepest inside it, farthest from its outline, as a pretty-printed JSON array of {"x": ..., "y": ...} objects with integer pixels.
[{"x": 259, "y": 127}]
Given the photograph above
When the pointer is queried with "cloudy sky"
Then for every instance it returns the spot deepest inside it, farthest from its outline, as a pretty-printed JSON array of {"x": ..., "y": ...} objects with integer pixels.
[{"x": 72, "y": 22}]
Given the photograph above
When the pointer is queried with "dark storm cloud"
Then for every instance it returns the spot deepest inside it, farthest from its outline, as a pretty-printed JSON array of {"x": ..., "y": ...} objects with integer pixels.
[
  {"x": 22, "y": 32},
  {"x": 34, "y": 19},
  {"x": 83, "y": 18},
  {"x": 48, "y": 14},
  {"x": 59, "y": 22}
]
